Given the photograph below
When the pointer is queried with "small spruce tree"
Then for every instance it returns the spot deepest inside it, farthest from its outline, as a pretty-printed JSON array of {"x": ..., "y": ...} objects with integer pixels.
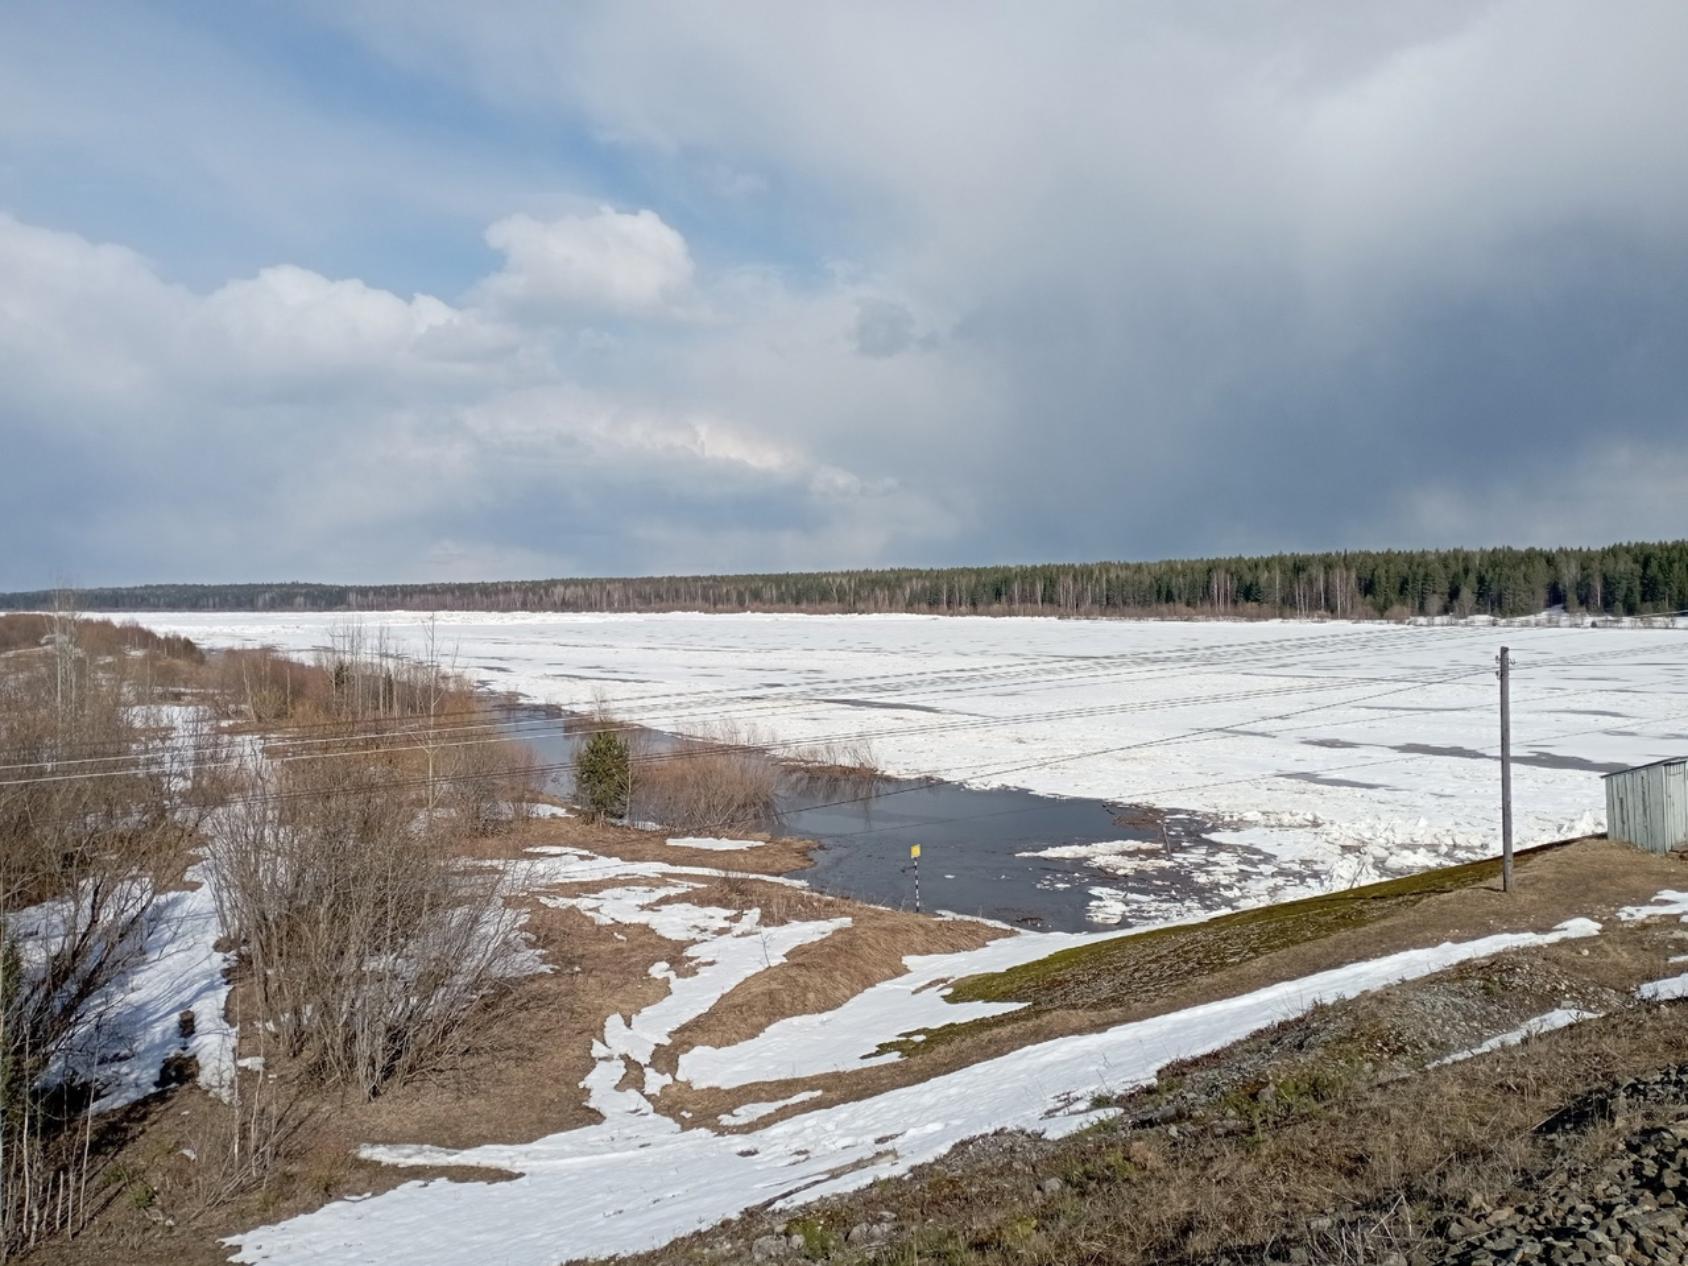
[{"x": 603, "y": 775}]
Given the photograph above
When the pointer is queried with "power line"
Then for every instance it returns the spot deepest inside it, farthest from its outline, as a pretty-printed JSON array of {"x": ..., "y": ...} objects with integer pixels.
[
  {"x": 964, "y": 680},
  {"x": 538, "y": 727},
  {"x": 508, "y": 731}
]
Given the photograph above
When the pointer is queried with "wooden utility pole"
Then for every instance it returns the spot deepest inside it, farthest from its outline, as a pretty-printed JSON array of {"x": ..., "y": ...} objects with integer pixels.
[{"x": 1505, "y": 769}]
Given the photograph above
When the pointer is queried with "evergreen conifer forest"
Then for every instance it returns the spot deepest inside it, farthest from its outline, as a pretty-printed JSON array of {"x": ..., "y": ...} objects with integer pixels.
[{"x": 1642, "y": 578}]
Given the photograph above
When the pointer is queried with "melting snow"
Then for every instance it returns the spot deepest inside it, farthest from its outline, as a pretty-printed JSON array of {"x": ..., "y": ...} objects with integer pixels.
[
  {"x": 1559, "y": 1018},
  {"x": 1098, "y": 853},
  {"x": 133, "y": 1024},
  {"x": 1663, "y": 990},
  {"x": 745, "y": 1113},
  {"x": 638, "y": 1180},
  {"x": 712, "y": 844},
  {"x": 847, "y": 1037},
  {"x": 1666, "y": 902}
]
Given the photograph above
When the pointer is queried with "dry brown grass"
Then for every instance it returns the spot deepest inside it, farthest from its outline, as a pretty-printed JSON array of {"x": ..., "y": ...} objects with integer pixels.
[
  {"x": 1383, "y": 1161},
  {"x": 100, "y": 639},
  {"x": 836, "y": 762},
  {"x": 827, "y": 973},
  {"x": 1591, "y": 878}
]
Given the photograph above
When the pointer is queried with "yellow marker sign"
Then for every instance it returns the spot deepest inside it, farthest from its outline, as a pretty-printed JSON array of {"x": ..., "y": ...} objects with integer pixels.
[{"x": 914, "y": 851}]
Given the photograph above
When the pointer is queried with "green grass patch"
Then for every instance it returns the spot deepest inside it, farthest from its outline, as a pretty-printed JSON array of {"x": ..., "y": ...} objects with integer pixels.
[{"x": 1143, "y": 967}]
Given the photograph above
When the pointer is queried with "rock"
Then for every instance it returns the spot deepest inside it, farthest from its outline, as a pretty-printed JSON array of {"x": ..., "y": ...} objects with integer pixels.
[
  {"x": 864, "y": 1233},
  {"x": 178, "y": 1069},
  {"x": 768, "y": 1247},
  {"x": 1051, "y": 1187}
]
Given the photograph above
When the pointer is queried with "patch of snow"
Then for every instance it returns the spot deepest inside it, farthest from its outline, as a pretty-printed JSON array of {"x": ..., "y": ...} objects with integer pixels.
[
  {"x": 1666, "y": 990},
  {"x": 719, "y": 963},
  {"x": 746, "y": 1113},
  {"x": 679, "y": 921},
  {"x": 1095, "y": 852},
  {"x": 848, "y": 1036},
  {"x": 712, "y": 844},
  {"x": 1559, "y": 1018},
  {"x": 1665, "y": 902},
  {"x": 549, "y": 864},
  {"x": 132, "y": 1025},
  {"x": 638, "y": 1180},
  {"x": 1112, "y": 906}
]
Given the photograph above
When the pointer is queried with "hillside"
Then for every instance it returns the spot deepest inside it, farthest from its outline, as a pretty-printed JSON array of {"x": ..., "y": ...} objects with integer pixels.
[{"x": 1334, "y": 1081}]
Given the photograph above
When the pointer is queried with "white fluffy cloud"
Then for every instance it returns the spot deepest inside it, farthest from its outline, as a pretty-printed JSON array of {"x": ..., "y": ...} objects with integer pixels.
[
  {"x": 614, "y": 261},
  {"x": 293, "y": 424}
]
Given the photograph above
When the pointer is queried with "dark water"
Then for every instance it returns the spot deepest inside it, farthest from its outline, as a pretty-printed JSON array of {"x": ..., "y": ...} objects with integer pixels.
[{"x": 971, "y": 839}]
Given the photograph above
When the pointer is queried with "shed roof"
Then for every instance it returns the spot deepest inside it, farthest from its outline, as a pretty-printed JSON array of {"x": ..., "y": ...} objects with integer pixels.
[{"x": 1652, "y": 764}]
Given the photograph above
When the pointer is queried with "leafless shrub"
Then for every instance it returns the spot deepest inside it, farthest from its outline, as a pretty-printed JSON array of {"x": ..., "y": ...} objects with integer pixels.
[
  {"x": 835, "y": 768},
  {"x": 838, "y": 758},
  {"x": 241, "y": 1144},
  {"x": 263, "y": 686},
  {"x": 596, "y": 716},
  {"x": 367, "y": 676},
  {"x": 483, "y": 784},
  {"x": 92, "y": 814},
  {"x": 360, "y": 675},
  {"x": 371, "y": 944},
  {"x": 28, "y": 630},
  {"x": 724, "y": 782}
]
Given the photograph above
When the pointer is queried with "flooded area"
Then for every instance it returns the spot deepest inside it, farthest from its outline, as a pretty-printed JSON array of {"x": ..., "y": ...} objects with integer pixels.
[
  {"x": 1288, "y": 758},
  {"x": 1044, "y": 862}
]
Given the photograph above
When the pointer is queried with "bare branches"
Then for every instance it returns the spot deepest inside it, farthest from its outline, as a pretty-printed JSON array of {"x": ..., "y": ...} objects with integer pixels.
[{"x": 370, "y": 942}]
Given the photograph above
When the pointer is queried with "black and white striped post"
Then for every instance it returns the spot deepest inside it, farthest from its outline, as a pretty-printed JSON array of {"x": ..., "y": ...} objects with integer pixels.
[{"x": 914, "y": 852}]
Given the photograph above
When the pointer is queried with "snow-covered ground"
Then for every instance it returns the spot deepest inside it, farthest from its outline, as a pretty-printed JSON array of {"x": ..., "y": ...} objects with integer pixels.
[
  {"x": 637, "y": 1179},
  {"x": 847, "y": 1037},
  {"x": 132, "y": 1024},
  {"x": 1340, "y": 751},
  {"x": 713, "y": 844},
  {"x": 165, "y": 998}
]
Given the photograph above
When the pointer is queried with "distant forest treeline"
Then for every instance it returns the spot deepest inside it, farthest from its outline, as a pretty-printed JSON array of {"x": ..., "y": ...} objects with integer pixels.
[{"x": 1633, "y": 579}]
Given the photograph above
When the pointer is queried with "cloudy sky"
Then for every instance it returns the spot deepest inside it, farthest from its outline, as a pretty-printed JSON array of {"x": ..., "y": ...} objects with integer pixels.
[{"x": 391, "y": 289}]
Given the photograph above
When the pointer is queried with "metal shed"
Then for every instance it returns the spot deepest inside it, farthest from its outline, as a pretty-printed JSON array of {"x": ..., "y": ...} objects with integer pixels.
[{"x": 1648, "y": 806}]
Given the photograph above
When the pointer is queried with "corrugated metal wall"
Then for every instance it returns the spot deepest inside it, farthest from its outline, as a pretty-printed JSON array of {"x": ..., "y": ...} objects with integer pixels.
[{"x": 1648, "y": 806}]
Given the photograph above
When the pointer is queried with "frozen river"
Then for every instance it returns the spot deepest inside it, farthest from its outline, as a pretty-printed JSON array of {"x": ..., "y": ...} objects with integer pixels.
[{"x": 1322, "y": 754}]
